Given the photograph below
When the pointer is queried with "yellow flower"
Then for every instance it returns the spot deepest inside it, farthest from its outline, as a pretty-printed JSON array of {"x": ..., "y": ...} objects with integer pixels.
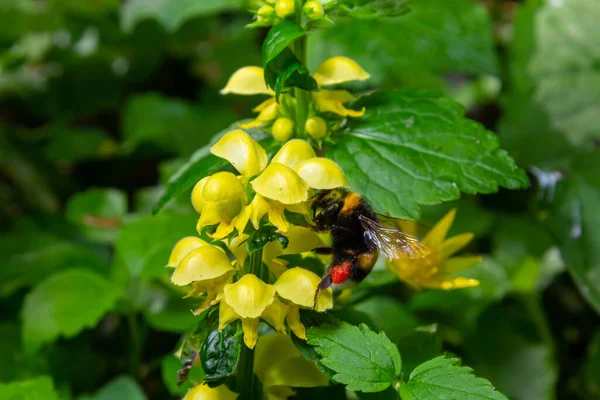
[
  {"x": 219, "y": 199},
  {"x": 298, "y": 286},
  {"x": 247, "y": 300},
  {"x": 280, "y": 367},
  {"x": 205, "y": 392},
  {"x": 282, "y": 184},
  {"x": 436, "y": 270},
  {"x": 333, "y": 71},
  {"x": 204, "y": 266}
]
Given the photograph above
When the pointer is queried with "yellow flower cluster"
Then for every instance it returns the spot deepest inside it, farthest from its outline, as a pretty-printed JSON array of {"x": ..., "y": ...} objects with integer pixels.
[
  {"x": 437, "y": 269},
  {"x": 281, "y": 184},
  {"x": 333, "y": 71}
]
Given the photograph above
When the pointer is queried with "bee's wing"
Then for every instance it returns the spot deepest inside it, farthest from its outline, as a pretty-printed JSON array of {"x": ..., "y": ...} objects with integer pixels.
[{"x": 392, "y": 241}]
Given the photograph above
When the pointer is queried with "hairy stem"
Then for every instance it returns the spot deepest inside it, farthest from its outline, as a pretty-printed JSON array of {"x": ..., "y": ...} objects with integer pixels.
[{"x": 302, "y": 96}]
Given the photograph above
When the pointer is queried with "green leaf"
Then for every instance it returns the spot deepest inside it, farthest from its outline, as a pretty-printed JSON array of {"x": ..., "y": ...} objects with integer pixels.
[
  {"x": 170, "y": 313},
  {"x": 170, "y": 364},
  {"x": 418, "y": 346},
  {"x": 389, "y": 315},
  {"x": 171, "y": 14},
  {"x": 574, "y": 219},
  {"x": 591, "y": 368},
  {"x": 445, "y": 378},
  {"x": 98, "y": 212},
  {"x": 122, "y": 388},
  {"x": 259, "y": 239},
  {"x": 64, "y": 305},
  {"x": 286, "y": 71},
  {"x": 372, "y": 9},
  {"x": 74, "y": 145},
  {"x": 144, "y": 244},
  {"x": 279, "y": 38},
  {"x": 415, "y": 148},
  {"x": 33, "y": 389},
  {"x": 220, "y": 353},
  {"x": 202, "y": 163},
  {"x": 565, "y": 67},
  {"x": 438, "y": 36},
  {"x": 361, "y": 359},
  {"x": 509, "y": 357},
  {"x": 16, "y": 365}
]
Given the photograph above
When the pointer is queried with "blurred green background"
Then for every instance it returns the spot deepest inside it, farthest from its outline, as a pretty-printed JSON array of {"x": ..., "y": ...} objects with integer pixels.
[{"x": 101, "y": 101}]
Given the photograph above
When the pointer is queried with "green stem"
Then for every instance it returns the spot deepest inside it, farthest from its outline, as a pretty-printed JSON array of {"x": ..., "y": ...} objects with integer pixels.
[
  {"x": 135, "y": 350},
  {"x": 302, "y": 96},
  {"x": 245, "y": 379}
]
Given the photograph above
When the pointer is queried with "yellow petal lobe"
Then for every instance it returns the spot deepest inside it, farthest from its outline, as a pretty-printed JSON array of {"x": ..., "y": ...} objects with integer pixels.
[
  {"x": 242, "y": 151},
  {"x": 336, "y": 70},
  {"x": 293, "y": 321},
  {"x": 204, "y": 392},
  {"x": 182, "y": 248},
  {"x": 203, "y": 263},
  {"x": 438, "y": 233},
  {"x": 197, "y": 198},
  {"x": 275, "y": 315},
  {"x": 250, "y": 327},
  {"x": 222, "y": 186},
  {"x": 321, "y": 173},
  {"x": 249, "y": 296},
  {"x": 333, "y": 101},
  {"x": 247, "y": 81},
  {"x": 299, "y": 286},
  {"x": 293, "y": 153},
  {"x": 281, "y": 183}
]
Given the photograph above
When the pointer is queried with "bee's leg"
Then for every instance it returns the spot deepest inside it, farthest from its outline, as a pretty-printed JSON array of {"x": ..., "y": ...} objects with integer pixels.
[
  {"x": 324, "y": 284},
  {"x": 323, "y": 250}
]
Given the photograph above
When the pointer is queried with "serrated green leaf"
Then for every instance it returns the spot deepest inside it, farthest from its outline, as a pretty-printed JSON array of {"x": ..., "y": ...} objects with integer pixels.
[
  {"x": 33, "y": 389},
  {"x": 122, "y": 388},
  {"x": 144, "y": 244},
  {"x": 437, "y": 36},
  {"x": 565, "y": 67},
  {"x": 266, "y": 234},
  {"x": 445, "y": 378},
  {"x": 220, "y": 353},
  {"x": 574, "y": 219},
  {"x": 171, "y": 14},
  {"x": 361, "y": 359},
  {"x": 280, "y": 37},
  {"x": 202, "y": 163},
  {"x": 415, "y": 148},
  {"x": 64, "y": 305}
]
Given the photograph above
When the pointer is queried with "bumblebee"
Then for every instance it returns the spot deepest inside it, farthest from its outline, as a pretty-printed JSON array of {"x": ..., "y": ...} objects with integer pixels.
[{"x": 358, "y": 235}]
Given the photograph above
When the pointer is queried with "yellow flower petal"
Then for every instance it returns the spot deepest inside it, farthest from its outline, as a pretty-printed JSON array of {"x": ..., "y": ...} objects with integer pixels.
[
  {"x": 204, "y": 392},
  {"x": 336, "y": 70},
  {"x": 226, "y": 315},
  {"x": 299, "y": 286},
  {"x": 456, "y": 283},
  {"x": 281, "y": 183},
  {"x": 293, "y": 153},
  {"x": 222, "y": 186},
  {"x": 237, "y": 246},
  {"x": 223, "y": 230},
  {"x": 276, "y": 211},
  {"x": 270, "y": 350},
  {"x": 203, "y": 263},
  {"x": 294, "y": 372},
  {"x": 275, "y": 315},
  {"x": 333, "y": 101},
  {"x": 247, "y": 81},
  {"x": 321, "y": 173},
  {"x": 223, "y": 211},
  {"x": 183, "y": 248},
  {"x": 250, "y": 327},
  {"x": 267, "y": 111},
  {"x": 197, "y": 198},
  {"x": 243, "y": 152},
  {"x": 249, "y": 296},
  {"x": 302, "y": 239},
  {"x": 293, "y": 321},
  {"x": 438, "y": 233},
  {"x": 455, "y": 244}
]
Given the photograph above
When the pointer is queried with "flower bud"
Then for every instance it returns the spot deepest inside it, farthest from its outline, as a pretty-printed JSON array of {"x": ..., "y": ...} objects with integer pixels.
[
  {"x": 313, "y": 10},
  {"x": 284, "y": 8},
  {"x": 222, "y": 186},
  {"x": 265, "y": 11},
  {"x": 283, "y": 129},
  {"x": 316, "y": 127}
]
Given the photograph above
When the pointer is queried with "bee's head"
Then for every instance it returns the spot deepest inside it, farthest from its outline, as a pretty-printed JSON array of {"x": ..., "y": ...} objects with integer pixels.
[{"x": 326, "y": 206}]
